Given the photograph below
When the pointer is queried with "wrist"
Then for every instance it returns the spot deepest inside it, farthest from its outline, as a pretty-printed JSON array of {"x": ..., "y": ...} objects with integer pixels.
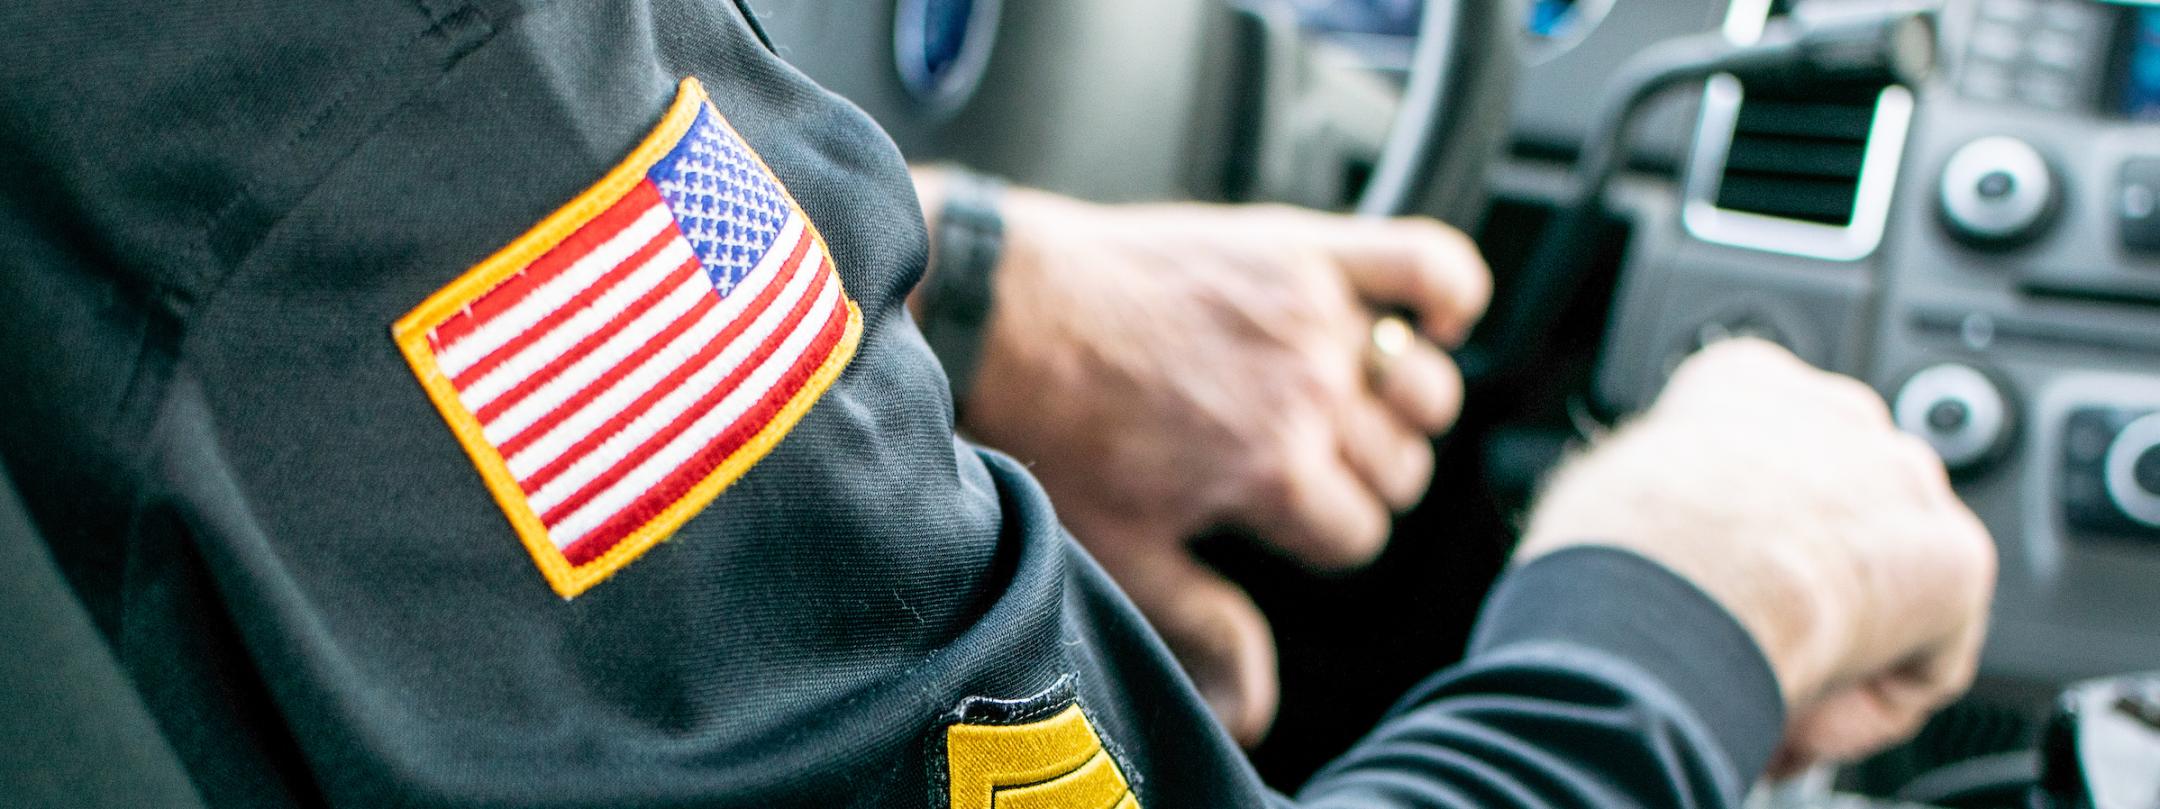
[{"x": 953, "y": 301}]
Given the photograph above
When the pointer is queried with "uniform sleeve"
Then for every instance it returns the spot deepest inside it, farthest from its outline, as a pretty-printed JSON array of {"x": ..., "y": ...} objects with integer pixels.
[{"x": 1595, "y": 678}]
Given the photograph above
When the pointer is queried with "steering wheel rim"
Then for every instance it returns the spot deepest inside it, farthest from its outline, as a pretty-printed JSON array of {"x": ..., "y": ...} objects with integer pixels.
[{"x": 1453, "y": 120}]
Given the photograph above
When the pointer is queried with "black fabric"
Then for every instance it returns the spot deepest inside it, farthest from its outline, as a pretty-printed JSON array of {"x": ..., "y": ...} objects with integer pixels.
[
  {"x": 1592, "y": 656},
  {"x": 73, "y": 732},
  {"x": 209, "y": 217},
  {"x": 1659, "y": 624}
]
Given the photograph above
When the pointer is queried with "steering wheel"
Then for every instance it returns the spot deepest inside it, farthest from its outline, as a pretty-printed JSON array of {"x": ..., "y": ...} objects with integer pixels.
[
  {"x": 1454, "y": 116},
  {"x": 1318, "y": 123}
]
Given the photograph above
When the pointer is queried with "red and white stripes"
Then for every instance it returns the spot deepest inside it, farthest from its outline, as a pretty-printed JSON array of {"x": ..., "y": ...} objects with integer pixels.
[
  {"x": 615, "y": 368},
  {"x": 611, "y": 376}
]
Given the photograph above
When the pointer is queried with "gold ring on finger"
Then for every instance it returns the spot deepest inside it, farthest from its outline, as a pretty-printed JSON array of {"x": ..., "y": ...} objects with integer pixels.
[{"x": 1390, "y": 339}]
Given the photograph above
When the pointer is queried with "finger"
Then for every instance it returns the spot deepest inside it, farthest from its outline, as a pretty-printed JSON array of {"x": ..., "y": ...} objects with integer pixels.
[
  {"x": 1805, "y": 383},
  {"x": 1218, "y": 635},
  {"x": 1944, "y": 584},
  {"x": 1223, "y": 642},
  {"x": 1852, "y": 397},
  {"x": 1785, "y": 762},
  {"x": 1765, "y": 366},
  {"x": 1394, "y": 461},
  {"x": 1918, "y": 463},
  {"x": 1749, "y": 358},
  {"x": 1430, "y": 268},
  {"x": 1315, "y": 509},
  {"x": 1946, "y": 672},
  {"x": 1737, "y": 364},
  {"x": 1885, "y": 709},
  {"x": 1423, "y": 388},
  {"x": 1853, "y": 722}
]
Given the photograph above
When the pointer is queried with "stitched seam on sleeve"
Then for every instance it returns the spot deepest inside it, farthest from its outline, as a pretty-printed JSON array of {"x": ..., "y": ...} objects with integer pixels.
[{"x": 221, "y": 264}]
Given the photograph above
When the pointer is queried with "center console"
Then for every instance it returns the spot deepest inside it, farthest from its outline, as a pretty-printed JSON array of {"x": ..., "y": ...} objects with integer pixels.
[{"x": 1985, "y": 250}]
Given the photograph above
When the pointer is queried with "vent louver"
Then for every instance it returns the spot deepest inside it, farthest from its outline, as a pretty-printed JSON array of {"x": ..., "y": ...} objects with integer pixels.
[{"x": 1799, "y": 156}]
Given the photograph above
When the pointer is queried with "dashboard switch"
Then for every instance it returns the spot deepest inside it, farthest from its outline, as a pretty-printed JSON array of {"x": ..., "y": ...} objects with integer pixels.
[
  {"x": 2137, "y": 207},
  {"x": 2110, "y": 468},
  {"x": 1997, "y": 191},
  {"x": 2145, "y": 471},
  {"x": 2132, "y": 471},
  {"x": 1957, "y": 409}
]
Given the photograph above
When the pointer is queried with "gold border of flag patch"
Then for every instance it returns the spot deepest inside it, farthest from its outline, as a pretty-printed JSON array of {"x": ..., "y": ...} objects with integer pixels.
[{"x": 411, "y": 334}]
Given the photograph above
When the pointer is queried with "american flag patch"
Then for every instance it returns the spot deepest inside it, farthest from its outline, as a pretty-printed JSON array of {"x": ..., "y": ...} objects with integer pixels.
[{"x": 616, "y": 367}]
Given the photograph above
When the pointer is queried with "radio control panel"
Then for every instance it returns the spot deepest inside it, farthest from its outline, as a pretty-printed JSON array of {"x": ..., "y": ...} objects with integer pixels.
[{"x": 2009, "y": 310}]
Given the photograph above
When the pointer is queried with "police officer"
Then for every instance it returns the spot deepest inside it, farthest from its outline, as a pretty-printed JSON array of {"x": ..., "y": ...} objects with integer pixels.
[{"x": 488, "y": 404}]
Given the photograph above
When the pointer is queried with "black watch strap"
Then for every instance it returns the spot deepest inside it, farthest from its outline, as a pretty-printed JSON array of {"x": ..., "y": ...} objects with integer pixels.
[{"x": 958, "y": 289}]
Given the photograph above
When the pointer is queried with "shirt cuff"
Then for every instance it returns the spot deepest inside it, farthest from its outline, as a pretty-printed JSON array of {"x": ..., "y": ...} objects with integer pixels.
[{"x": 1631, "y": 608}]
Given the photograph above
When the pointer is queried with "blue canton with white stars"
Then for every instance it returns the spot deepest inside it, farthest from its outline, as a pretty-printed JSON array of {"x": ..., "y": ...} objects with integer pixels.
[{"x": 728, "y": 207}]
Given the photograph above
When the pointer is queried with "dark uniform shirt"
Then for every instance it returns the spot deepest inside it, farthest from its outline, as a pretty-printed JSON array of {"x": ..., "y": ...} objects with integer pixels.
[{"x": 214, "y": 213}]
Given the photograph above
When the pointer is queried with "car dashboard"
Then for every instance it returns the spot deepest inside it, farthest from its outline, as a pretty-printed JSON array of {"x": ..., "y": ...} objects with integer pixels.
[{"x": 1983, "y": 248}]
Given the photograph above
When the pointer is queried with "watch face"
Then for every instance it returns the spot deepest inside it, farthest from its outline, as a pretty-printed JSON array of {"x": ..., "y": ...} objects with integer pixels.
[{"x": 941, "y": 47}]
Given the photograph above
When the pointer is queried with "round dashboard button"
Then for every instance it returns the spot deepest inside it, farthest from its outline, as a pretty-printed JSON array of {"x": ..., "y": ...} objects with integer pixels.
[
  {"x": 1996, "y": 185},
  {"x": 1958, "y": 410},
  {"x": 1948, "y": 415},
  {"x": 1997, "y": 190},
  {"x": 2132, "y": 470},
  {"x": 2146, "y": 470}
]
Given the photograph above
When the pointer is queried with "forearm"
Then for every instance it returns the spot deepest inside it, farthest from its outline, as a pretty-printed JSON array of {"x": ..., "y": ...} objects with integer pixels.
[{"x": 1596, "y": 678}]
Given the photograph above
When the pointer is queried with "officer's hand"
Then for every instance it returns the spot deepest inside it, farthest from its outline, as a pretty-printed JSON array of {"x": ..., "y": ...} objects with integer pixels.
[
  {"x": 1787, "y": 495},
  {"x": 1168, "y": 369}
]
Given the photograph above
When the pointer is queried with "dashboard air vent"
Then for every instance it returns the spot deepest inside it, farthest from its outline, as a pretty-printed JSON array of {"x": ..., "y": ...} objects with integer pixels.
[{"x": 1798, "y": 156}]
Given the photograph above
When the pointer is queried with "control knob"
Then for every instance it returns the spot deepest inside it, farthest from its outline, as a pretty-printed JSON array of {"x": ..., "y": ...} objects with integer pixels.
[
  {"x": 2132, "y": 470},
  {"x": 1957, "y": 409},
  {"x": 1998, "y": 191}
]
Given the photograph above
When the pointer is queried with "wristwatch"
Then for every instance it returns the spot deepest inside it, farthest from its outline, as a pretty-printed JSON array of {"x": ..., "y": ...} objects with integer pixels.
[{"x": 959, "y": 286}]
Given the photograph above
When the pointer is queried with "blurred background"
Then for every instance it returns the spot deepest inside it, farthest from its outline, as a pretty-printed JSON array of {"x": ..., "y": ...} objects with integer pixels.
[{"x": 1968, "y": 222}]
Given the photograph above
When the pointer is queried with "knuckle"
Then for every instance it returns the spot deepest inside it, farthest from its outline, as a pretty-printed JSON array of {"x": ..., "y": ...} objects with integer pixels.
[
  {"x": 1271, "y": 481},
  {"x": 1724, "y": 361},
  {"x": 1266, "y": 476},
  {"x": 1756, "y": 352},
  {"x": 1738, "y": 354},
  {"x": 1858, "y": 395},
  {"x": 1919, "y": 461},
  {"x": 1979, "y": 550},
  {"x": 1916, "y": 454}
]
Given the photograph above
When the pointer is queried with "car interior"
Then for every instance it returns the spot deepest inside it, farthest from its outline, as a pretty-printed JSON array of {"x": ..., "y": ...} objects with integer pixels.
[{"x": 1954, "y": 201}]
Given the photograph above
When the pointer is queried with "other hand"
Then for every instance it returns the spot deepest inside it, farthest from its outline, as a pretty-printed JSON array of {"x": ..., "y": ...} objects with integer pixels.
[{"x": 1788, "y": 495}]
